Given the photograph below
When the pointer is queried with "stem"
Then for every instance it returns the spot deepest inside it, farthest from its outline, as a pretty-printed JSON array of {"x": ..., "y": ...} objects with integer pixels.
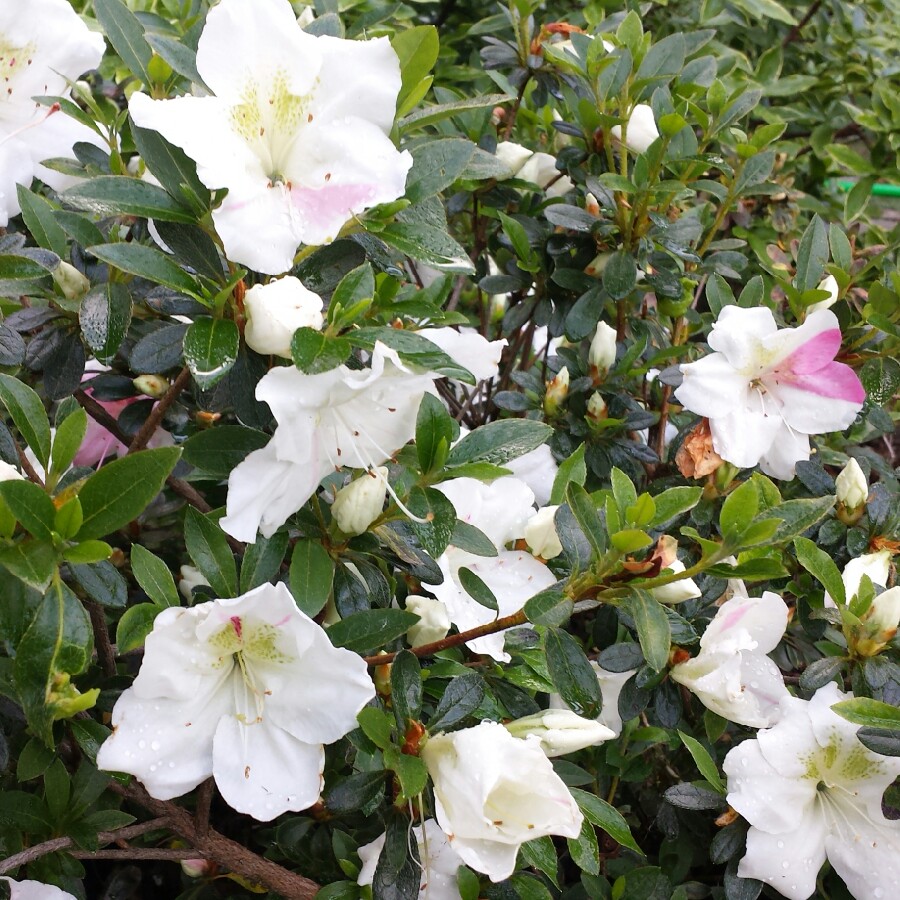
[
  {"x": 455, "y": 640},
  {"x": 514, "y": 111},
  {"x": 794, "y": 33},
  {"x": 129, "y": 853},
  {"x": 61, "y": 843},
  {"x": 105, "y": 651},
  {"x": 158, "y": 411}
]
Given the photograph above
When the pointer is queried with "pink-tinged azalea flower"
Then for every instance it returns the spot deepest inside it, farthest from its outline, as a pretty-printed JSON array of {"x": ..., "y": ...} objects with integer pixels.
[
  {"x": 811, "y": 791},
  {"x": 35, "y": 890},
  {"x": 611, "y": 684},
  {"x": 501, "y": 510},
  {"x": 493, "y": 792},
  {"x": 766, "y": 390},
  {"x": 440, "y": 862},
  {"x": 246, "y": 690},
  {"x": 297, "y": 130},
  {"x": 343, "y": 417},
  {"x": 732, "y": 675},
  {"x": 42, "y": 44}
]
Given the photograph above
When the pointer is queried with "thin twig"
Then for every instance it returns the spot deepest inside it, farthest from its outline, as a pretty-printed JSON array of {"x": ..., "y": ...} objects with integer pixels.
[
  {"x": 204, "y": 802},
  {"x": 794, "y": 33},
  {"x": 129, "y": 853},
  {"x": 159, "y": 410},
  {"x": 61, "y": 843},
  {"x": 27, "y": 467},
  {"x": 105, "y": 651}
]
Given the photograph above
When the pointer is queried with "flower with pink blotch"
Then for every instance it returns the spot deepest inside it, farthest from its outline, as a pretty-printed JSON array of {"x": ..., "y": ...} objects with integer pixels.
[
  {"x": 765, "y": 389},
  {"x": 297, "y": 130}
]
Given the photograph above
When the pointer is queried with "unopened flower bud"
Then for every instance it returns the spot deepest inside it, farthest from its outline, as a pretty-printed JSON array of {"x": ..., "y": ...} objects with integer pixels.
[
  {"x": 560, "y": 731},
  {"x": 596, "y": 266},
  {"x": 151, "y": 385},
  {"x": 596, "y": 409},
  {"x": 852, "y": 487},
  {"x": 434, "y": 620},
  {"x": 591, "y": 204},
  {"x": 880, "y": 623},
  {"x": 70, "y": 281},
  {"x": 540, "y": 533},
  {"x": 191, "y": 577},
  {"x": 198, "y": 868},
  {"x": 641, "y": 131},
  {"x": 512, "y": 155},
  {"x": 275, "y": 311},
  {"x": 677, "y": 591},
  {"x": 828, "y": 283},
  {"x": 602, "y": 353},
  {"x": 359, "y": 504},
  {"x": 557, "y": 391}
]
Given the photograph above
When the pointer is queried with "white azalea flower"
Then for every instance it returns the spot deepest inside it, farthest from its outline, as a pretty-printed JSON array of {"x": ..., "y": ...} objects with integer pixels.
[
  {"x": 469, "y": 349},
  {"x": 9, "y": 473},
  {"x": 810, "y": 791},
  {"x": 537, "y": 469},
  {"x": 440, "y": 862},
  {"x": 513, "y": 155},
  {"x": 877, "y": 566},
  {"x": 35, "y": 890},
  {"x": 246, "y": 690},
  {"x": 276, "y": 310},
  {"x": 611, "y": 684},
  {"x": 677, "y": 591},
  {"x": 641, "y": 130},
  {"x": 359, "y": 504},
  {"x": 732, "y": 675},
  {"x": 500, "y": 510},
  {"x": 297, "y": 130},
  {"x": 42, "y": 44},
  {"x": 493, "y": 792},
  {"x": 766, "y": 390},
  {"x": 343, "y": 417},
  {"x": 560, "y": 731},
  {"x": 602, "y": 352},
  {"x": 540, "y": 169}
]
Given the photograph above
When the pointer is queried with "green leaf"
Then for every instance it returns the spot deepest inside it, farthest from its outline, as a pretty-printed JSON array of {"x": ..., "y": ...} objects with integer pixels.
[
  {"x": 352, "y": 292},
  {"x": 434, "y": 433},
  {"x": 440, "y": 519},
  {"x": 705, "y": 763},
  {"x": 314, "y": 352},
  {"x": 176, "y": 171},
  {"x": 413, "y": 348},
  {"x": 436, "y": 165},
  {"x": 428, "y": 244},
  {"x": 462, "y": 696},
  {"x": 28, "y": 414},
  {"x": 145, "y": 262},
  {"x": 571, "y": 470},
  {"x": 765, "y": 9},
  {"x": 620, "y": 275},
  {"x": 587, "y": 516},
  {"x": 881, "y": 379},
  {"x": 218, "y": 450},
  {"x": 498, "y": 442},
  {"x": 354, "y": 792},
  {"x": 377, "y": 725},
  {"x": 623, "y": 490},
  {"x": 822, "y": 567},
  {"x": 417, "y": 50},
  {"x": 57, "y": 646},
  {"x": 549, "y": 607},
  {"x": 797, "y": 516},
  {"x": 262, "y": 560},
  {"x": 211, "y": 348},
  {"x": 738, "y": 510},
  {"x": 192, "y": 247},
  {"x": 673, "y": 502},
  {"x": 431, "y": 114},
  {"x": 34, "y": 562},
  {"x": 31, "y": 507},
  {"x": 411, "y": 773},
  {"x": 476, "y": 588},
  {"x": 102, "y": 582},
  {"x": 812, "y": 254},
  {"x": 179, "y": 56},
  {"x": 38, "y": 216},
  {"x": 208, "y": 548},
  {"x": 121, "y": 490},
  {"x": 869, "y": 713},
  {"x": 584, "y": 850},
  {"x": 67, "y": 441},
  {"x": 471, "y": 539},
  {"x": 406, "y": 689},
  {"x": 370, "y": 629},
  {"x": 104, "y": 317},
  {"x": 126, "y": 34},
  {"x": 311, "y": 576},
  {"x": 652, "y": 623},
  {"x": 572, "y": 674},
  {"x": 607, "y": 817},
  {"x": 121, "y": 195},
  {"x": 134, "y": 626},
  {"x": 153, "y": 575}
]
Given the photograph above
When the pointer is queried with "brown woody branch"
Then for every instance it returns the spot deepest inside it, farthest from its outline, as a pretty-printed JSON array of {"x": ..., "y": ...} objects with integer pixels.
[{"x": 156, "y": 414}]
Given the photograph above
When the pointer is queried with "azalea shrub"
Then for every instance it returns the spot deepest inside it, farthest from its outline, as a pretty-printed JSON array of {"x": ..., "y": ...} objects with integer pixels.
[{"x": 448, "y": 452}]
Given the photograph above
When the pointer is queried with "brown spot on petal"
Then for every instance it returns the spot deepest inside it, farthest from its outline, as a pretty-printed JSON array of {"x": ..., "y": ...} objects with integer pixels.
[
  {"x": 246, "y": 771},
  {"x": 696, "y": 457}
]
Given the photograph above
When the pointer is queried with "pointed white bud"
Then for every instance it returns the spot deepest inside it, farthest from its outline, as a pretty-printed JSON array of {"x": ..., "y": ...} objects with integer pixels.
[
  {"x": 641, "y": 131},
  {"x": 70, "y": 281},
  {"x": 434, "y": 620},
  {"x": 513, "y": 155},
  {"x": 557, "y": 391},
  {"x": 360, "y": 503},
  {"x": 540, "y": 533},
  {"x": 560, "y": 731},
  {"x": 852, "y": 487},
  {"x": 880, "y": 622},
  {"x": 828, "y": 283},
  {"x": 602, "y": 353},
  {"x": 275, "y": 311},
  {"x": 596, "y": 408}
]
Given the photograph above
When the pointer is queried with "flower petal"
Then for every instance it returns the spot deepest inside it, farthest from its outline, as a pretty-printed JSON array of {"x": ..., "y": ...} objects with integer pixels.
[
  {"x": 537, "y": 469},
  {"x": 499, "y": 509},
  {"x": 745, "y": 435},
  {"x": 790, "y": 862},
  {"x": 740, "y": 334},
  {"x": 472, "y": 351},
  {"x": 787, "y": 449},
  {"x": 263, "y": 771},
  {"x": 763, "y": 618},
  {"x": 712, "y": 387},
  {"x": 865, "y": 852}
]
